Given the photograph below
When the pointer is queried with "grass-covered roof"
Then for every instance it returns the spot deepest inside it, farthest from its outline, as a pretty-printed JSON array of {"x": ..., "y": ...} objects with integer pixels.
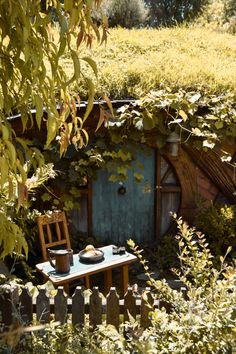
[
  {"x": 133, "y": 62},
  {"x": 181, "y": 78}
]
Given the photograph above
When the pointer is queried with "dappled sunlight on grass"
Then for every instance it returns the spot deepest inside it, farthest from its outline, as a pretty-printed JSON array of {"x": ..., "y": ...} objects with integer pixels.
[{"x": 135, "y": 61}]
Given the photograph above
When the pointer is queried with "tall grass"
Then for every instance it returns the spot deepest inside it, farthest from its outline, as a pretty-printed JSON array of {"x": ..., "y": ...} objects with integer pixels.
[{"x": 138, "y": 60}]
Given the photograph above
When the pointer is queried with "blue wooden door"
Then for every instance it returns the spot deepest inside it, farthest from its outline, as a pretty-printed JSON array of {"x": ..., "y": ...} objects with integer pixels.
[{"x": 117, "y": 217}]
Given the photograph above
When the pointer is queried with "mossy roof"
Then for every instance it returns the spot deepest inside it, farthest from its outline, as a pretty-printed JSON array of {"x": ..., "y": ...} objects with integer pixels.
[{"x": 133, "y": 62}]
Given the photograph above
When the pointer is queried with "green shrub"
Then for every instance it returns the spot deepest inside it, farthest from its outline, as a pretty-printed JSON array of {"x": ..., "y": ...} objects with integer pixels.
[
  {"x": 220, "y": 15},
  {"x": 204, "y": 319},
  {"x": 166, "y": 253},
  {"x": 124, "y": 13},
  {"x": 171, "y": 12},
  {"x": 218, "y": 223},
  {"x": 200, "y": 320}
]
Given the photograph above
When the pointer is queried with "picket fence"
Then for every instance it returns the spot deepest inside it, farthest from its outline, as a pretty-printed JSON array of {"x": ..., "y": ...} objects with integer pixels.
[{"x": 18, "y": 305}]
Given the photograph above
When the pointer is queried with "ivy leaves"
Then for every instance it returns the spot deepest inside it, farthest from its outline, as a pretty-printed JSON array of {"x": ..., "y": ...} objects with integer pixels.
[{"x": 208, "y": 119}]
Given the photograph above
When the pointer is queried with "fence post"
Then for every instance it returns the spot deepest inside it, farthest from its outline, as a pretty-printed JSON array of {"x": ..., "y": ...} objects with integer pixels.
[
  {"x": 129, "y": 305},
  {"x": 113, "y": 310},
  {"x": 26, "y": 306},
  {"x": 8, "y": 306},
  {"x": 43, "y": 307},
  {"x": 95, "y": 307},
  {"x": 60, "y": 306},
  {"x": 78, "y": 307},
  {"x": 146, "y": 301}
]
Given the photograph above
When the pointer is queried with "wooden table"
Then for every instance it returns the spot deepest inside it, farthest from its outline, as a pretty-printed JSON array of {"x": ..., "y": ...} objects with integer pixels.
[{"x": 82, "y": 270}]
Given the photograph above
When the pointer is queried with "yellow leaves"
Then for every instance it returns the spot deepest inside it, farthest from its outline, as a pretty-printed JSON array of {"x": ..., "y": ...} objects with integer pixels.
[
  {"x": 62, "y": 46},
  {"x": 64, "y": 137},
  {"x": 22, "y": 171},
  {"x": 86, "y": 137},
  {"x": 68, "y": 5},
  {"x": 183, "y": 115},
  {"x": 109, "y": 104},
  {"x": 31, "y": 75},
  {"x": 80, "y": 38},
  {"x": 78, "y": 137},
  {"x": 6, "y": 41},
  {"x": 5, "y": 133},
  {"x": 92, "y": 64},
  {"x": 11, "y": 237},
  {"x": 39, "y": 109},
  {"x": 76, "y": 62},
  {"x": 4, "y": 170},
  {"x": 138, "y": 177},
  {"x": 102, "y": 118},
  {"x": 11, "y": 152},
  {"x": 74, "y": 18},
  {"x": 91, "y": 90},
  {"x": 52, "y": 127}
]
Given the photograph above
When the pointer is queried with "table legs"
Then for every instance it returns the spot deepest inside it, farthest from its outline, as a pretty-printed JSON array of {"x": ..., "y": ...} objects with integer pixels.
[
  {"x": 124, "y": 278},
  {"x": 87, "y": 282},
  {"x": 67, "y": 285},
  {"x": 108, "y": 280},
  {"x": 67, "y": 288}
]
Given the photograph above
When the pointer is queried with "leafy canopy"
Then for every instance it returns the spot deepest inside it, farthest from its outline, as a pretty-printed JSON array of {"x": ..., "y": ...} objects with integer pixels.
[{"x": 32, "y": 75}]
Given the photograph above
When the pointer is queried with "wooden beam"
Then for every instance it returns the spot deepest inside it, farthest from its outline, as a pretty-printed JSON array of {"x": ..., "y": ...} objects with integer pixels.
[{"x": 217, "y": 171}]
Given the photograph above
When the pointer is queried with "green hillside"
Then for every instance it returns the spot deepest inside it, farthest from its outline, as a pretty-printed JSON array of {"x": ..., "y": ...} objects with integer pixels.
[{"x": 135, "y": 61}]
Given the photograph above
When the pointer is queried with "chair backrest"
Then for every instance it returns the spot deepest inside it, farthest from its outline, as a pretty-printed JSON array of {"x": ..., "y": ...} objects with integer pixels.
[{"x": 53, "y": 232}]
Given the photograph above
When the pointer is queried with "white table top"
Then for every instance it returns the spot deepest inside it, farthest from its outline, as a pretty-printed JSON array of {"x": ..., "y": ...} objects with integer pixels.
[{"x": 79, "y": 269}]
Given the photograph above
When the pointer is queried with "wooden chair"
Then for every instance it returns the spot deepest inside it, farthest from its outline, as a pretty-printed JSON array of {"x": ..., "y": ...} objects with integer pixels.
[{"x": 53, "y": 232}]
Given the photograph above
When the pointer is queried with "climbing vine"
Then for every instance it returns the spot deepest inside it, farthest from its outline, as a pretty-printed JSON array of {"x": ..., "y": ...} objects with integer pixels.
[{"x": 205, "y": 120}]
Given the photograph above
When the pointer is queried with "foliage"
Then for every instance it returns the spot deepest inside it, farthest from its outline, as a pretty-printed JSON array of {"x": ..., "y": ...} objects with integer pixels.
[
  {"x": 166, "y": 256},
  {"x": 11, "y": 237},
  {"x": 219, "y": 15},
  {"x": 200, "y": 320},
  {"x": 139, "y": 60},
  {"x": 204, "y": 121},
  {"x": 218, "y": 223},
  {"x": 209, "y": 119},
  {"x": 15, "y": 231},
  {"x": 171, "y": 12},
  {"x": 205, "y": 320},
  {"x": 124, "y": 13},
  {"x": 190, "y": 61},
  {"x": 32, "y": 75},
  {"x": 76, "y": 168}
]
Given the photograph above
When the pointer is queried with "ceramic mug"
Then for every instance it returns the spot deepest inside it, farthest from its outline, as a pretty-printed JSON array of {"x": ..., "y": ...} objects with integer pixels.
[{"x": 62, "y": 260}]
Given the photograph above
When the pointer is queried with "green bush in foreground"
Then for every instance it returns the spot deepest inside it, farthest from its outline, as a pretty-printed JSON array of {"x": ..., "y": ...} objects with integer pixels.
[
  {"x": 202, "y": 320},
  {"x": 218, "y": 223}
]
